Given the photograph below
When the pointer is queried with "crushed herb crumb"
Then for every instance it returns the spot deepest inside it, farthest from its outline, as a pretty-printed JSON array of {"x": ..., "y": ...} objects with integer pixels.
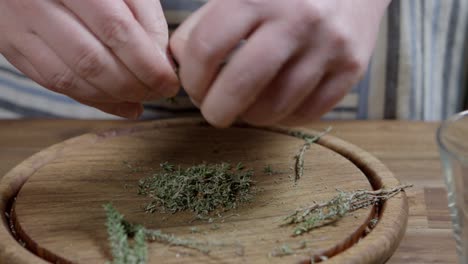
[
  {"x": 194, "y": 229},
  {"x": 268, "y": 170},
  {"x": 284, "y": 250}
]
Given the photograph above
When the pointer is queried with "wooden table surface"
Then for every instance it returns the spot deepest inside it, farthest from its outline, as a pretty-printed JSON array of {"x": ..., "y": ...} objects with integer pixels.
[{"x": 407, "y": 148}]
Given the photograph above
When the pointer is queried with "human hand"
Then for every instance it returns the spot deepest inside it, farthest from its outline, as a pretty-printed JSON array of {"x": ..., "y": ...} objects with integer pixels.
[
  {"x": 299, "y": 59},
  {"x": 109, "y": 54}
]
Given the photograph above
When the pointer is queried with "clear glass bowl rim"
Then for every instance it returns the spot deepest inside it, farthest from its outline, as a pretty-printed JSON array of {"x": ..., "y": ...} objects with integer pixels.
[{"x": 442, "y": 127}]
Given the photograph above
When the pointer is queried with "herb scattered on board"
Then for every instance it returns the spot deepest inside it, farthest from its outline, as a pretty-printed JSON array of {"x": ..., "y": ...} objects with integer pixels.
[
  {"x": 321, "y": 214},
  {"x": 284, "y": 250},
  {"x": 201, "y": 188},
  {"x": 268, "y": 170},
  {"x": 124, "y": 252},
  {"x": 299, "y": 157}
]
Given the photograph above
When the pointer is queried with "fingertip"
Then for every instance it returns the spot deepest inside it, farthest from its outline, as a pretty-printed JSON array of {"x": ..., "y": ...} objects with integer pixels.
[
  {"x": 168, "y": 85},
  {"x": 171, "y": 88},
  {"x": 195, "y": 102},
  {"x": 217, "y": 118}
]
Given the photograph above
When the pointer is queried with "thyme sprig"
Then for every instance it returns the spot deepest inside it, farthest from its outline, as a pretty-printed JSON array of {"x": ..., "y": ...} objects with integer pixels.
[
  {"x": 122, "y": 251},
  {"x": 299, "y": 157},
  {"x": 120, "y": 232},
  {"x": 324, "y": 213},
  {"x": 156, "y": 235}
]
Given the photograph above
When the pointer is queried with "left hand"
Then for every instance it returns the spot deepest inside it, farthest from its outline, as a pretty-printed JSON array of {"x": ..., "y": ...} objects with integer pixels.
[{"x": 299, "y": 59}]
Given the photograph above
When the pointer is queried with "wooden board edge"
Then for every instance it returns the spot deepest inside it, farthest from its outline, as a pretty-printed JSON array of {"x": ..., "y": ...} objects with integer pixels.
[
  {"x": 379, "y": 245},
  {"x": 11, "y": 251}
]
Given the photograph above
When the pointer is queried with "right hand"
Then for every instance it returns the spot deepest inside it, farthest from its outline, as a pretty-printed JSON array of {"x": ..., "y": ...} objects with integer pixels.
[{"x": 109, "y": 54}]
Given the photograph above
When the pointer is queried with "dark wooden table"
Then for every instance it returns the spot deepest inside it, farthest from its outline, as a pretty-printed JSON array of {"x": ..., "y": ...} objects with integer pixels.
[{"x": 407, "y": 148}]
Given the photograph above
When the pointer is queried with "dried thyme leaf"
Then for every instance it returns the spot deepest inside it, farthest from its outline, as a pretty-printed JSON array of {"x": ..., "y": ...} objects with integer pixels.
[
  {"x": 194, "y": 230},
  {"x": 284, "y": 250},
  {"x": 268, "y": 170},
  {"x": 240, "y": 166},
  {"x": 201, "y": 189}
]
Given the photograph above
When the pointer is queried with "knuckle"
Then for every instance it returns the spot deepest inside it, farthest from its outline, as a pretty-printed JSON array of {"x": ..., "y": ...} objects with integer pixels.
[
  {"x": 62, "y": 82},
  {"x": 305, "y": 19},
  {"x": 339, "y": 39},
  {"x": 356, "y": 66},
  {"x": 89, "y": 64},
  {"x": 115, "y": 30},
  {"x": 350, "y": 56},
  {"x": 308, "y": 14},
  {"x": 203, "y": 51}
]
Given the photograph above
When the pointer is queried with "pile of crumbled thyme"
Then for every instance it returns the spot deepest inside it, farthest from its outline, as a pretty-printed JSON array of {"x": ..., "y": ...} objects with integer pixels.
[{"x": 202, "y": 188}]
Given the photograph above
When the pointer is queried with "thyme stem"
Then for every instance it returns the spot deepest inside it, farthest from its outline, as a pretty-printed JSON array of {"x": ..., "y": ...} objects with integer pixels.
[{"x": 299, "y": 157}]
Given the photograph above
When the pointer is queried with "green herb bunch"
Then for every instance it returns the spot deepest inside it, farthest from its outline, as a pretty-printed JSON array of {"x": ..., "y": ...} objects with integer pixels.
[
  {"x": 202, "y": 188},
  {"x": 123, "y": 252},
  {"x": 128, "y": 242}
]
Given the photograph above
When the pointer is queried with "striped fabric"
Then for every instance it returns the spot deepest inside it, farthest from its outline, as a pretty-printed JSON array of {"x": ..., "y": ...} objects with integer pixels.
[{"x": 418, "y": 71}]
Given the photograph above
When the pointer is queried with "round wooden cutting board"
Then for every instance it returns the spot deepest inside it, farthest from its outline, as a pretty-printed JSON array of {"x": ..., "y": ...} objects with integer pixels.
[{"x": 52, "y": 203}]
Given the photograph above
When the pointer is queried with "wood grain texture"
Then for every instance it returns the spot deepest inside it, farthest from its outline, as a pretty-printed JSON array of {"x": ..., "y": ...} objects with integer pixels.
[
  {"x": 57, "y": 212},
  {"x": 407, "y": 148}
]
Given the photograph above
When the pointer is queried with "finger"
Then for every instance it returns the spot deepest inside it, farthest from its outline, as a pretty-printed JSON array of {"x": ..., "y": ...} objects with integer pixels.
[
  {"x": 85, "y": 55},
  {"x": 122, "y": 109},
  {"x": 24, "y": 66},
  {"x": 114, "y": 24},
  {"x": 287, "y": 91},
  {"x": 150, "y": 15},
  {"x": 249, "y": 71},
  {"x": 127, "y": 110},
  {"x": 179, "y": 38},
  {"x": 56, "y": 75},
  {"x": 329, "y": 92},
  {"x": 210, "y": 41}
]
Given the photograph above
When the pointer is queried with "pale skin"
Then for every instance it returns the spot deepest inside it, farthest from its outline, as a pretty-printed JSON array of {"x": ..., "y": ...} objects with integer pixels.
[{"x": 299, "y": 57}]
